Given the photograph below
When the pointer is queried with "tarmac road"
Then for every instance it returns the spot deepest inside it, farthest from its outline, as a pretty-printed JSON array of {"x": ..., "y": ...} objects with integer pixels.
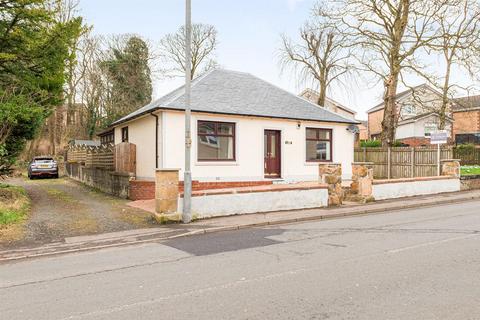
[{"x": 414, "y": 264}]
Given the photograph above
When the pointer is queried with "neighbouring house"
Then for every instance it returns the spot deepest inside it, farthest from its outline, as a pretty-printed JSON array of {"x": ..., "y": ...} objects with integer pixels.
[
  {"x": 334, "y": 106},
  {"x": 363, "y": 130},
  {"x": 330, "y": 104},
  {"x": 466, "y": 115},
  {"x": 417, "y": 116},
  {"x": 244, "y": 129}
]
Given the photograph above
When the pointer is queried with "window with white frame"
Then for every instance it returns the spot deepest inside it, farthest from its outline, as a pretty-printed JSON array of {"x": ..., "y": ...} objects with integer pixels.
[{"x": 408, "y": 110}]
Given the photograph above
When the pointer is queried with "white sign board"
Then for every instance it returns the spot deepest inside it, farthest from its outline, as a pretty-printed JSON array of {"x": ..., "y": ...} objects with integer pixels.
[{"x": 439, "y": 137}]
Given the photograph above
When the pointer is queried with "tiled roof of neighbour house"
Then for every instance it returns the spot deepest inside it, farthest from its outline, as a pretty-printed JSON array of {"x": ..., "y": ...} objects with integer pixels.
[
  {"x": 237, "y": 93},
  {"x": 467, "y": 103},
  {"x": 403, "y": 94},
  {"x": 337, "y": 104}
]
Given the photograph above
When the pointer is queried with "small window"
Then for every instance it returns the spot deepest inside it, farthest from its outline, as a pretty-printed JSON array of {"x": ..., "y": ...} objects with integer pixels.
[
  {"x": 125, "y": 134},
  {"x": 216, "y": 141},
  {"x": 408, "y": 110},
  {"x": 319, "y": 144}
]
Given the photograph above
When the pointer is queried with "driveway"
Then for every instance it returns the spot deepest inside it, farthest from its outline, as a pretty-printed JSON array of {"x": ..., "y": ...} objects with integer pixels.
[{"x": 64, "y": 208}]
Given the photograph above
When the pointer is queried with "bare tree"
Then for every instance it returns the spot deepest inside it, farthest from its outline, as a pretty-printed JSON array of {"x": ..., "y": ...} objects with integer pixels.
[
  {"x": 204, "y": 43},
  {"x": 388, "y": 34},
  {"x": 322, "y": 54},
  {"x": 458, "y": 43},
  {"x": 93, "y": 91}
]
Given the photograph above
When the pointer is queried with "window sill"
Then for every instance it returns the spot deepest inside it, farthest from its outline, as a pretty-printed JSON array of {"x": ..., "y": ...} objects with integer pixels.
[
  {"x": 316, "y": 163},
  {"x": 216, "y": 163}
]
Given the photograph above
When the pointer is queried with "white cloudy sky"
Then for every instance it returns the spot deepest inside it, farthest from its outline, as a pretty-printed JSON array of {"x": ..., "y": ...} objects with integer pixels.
[{"x": 249, "y": 36}]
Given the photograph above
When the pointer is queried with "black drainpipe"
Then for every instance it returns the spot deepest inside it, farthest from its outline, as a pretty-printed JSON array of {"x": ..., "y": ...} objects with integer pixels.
[{"x": 156, "y": 140}]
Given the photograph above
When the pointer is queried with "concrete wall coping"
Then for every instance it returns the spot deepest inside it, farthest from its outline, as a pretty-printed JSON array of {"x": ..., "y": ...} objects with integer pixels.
[
  {"x": 329, "y": 163},
  {"x": 450, "y": 160},
  {"x": 418, "y": 179},
  {"x": 470, "y": 177},
  {"x": 268, "y": 188},
  {"x": 363, "y": 163}
]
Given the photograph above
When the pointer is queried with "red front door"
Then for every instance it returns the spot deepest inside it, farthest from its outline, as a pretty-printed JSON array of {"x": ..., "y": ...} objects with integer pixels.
[{"x": 272, "y": 153}]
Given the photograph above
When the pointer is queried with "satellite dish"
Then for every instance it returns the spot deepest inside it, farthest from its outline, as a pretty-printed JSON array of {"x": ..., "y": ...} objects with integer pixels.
[{"x": 353, "y": 129}]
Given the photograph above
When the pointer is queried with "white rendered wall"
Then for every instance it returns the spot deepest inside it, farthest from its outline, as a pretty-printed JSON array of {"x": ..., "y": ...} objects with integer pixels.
[
  {"x": 414, "y": 188},
  {"x": 141, "y": 132},
  {"x": 249, "y": 164},
  {"x": 244, "y": 203}
]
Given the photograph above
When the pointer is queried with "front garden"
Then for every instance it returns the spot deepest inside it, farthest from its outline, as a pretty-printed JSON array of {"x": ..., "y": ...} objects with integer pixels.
[
  {"x": 470, "y": 170},
  {"x": 14, "y": 204}
]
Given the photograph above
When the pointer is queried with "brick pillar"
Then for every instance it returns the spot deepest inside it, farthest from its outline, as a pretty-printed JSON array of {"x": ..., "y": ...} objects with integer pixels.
[
  {"x": 362, "y": 179},
  {"x": 451, "y": 167},
  {"x": 166, "y": 191},
  {"x": 331, "y": 174}
]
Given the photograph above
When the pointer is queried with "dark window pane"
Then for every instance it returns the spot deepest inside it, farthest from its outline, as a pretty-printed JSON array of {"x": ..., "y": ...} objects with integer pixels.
[
  {"x": 318, "y": 151},
  {"x": 324, "y": 134},
  {"x": 311, "y": 133},
  {"x": 215, "y": 148},
  {"x": 225, "y": 128},
  {"x": 206, "y": 127}
]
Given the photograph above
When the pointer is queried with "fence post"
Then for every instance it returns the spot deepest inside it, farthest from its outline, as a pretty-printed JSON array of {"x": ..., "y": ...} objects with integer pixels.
[
  {"x": 439, "y": 173},
  {"x": 412, "y": 164},
  {"x": 389, "y": 163},
  {"x": 364, "y": 154}
]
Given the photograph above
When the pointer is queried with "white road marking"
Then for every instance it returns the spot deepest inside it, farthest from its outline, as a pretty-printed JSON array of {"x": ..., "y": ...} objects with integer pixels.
[{"x": 432, "y": 243}]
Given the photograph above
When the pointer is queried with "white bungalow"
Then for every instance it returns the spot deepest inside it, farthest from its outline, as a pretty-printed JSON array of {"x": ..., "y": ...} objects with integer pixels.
[{"x": 243, "y": 129}]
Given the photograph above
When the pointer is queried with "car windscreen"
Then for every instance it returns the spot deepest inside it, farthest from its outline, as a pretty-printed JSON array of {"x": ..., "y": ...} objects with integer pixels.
[{"x": 43, "y": 160}]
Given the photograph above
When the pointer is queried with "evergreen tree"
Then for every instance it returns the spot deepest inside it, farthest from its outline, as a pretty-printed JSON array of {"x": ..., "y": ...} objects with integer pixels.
[{"x": 129, "y": 75}]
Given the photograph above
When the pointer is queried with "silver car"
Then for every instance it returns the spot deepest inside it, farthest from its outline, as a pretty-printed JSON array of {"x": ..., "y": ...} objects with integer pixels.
[{"x": 43, "y": 167}]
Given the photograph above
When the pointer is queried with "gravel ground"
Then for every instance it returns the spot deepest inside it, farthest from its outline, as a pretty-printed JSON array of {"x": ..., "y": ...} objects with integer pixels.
[{"x": 64, "y": 208}]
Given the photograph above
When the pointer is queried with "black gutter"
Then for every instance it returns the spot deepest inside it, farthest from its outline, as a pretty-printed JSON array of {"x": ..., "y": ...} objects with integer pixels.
[{"x": 156, "y": 140}]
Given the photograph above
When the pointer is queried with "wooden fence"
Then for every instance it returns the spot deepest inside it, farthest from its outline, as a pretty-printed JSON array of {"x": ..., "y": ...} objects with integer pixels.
[
  {"x": 93, "y": 157},
  {"x": 391, "y": 163}
]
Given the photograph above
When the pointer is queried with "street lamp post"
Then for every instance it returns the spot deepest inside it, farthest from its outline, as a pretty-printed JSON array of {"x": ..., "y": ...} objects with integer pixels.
[{"x": 187, "y": 179}]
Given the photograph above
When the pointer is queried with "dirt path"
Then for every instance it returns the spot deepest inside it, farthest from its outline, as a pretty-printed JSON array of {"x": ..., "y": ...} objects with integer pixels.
[{"x": 64, "y": 208}]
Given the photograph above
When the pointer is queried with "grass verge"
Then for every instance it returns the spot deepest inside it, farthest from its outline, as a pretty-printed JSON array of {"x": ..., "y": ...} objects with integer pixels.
[
  {"x": 470, "y": 170},
  {"x": 14, "y": 204}
]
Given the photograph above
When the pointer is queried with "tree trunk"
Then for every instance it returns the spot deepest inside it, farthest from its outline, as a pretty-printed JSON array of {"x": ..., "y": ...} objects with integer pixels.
[
  {"x": 322, "y": 95},
  {"x": 389, "y": 122},
  {"x": 444, "y": 107}
]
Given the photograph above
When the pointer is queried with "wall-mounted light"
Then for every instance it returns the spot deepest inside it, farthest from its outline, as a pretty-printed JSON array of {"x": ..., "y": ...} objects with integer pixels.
[{"x": 299, "y": 124}]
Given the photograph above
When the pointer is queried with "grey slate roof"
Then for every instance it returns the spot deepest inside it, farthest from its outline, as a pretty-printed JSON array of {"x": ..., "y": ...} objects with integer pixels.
[{"x": 237, "y": 93}]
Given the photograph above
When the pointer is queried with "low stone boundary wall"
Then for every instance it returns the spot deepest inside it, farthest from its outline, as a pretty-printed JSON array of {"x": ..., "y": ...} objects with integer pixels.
[
  {"x": 145, "y": 189},
  {"x": 114, "y": 183},
  {"x": 470, "y": 182},
  {"x": 231, "y": 202},
  {"x": 399, "y": 188}
]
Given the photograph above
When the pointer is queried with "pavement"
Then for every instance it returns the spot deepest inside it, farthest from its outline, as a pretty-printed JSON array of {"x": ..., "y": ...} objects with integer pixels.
[
  {"x": 146, "y": 235},
  {"x": 417, "y": 263}
]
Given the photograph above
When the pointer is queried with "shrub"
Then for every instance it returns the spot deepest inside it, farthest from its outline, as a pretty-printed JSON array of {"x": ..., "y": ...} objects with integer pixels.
[{"x": 371, "y": 144}]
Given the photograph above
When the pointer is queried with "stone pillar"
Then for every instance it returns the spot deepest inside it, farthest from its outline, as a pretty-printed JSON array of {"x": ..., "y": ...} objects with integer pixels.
[
  {"x": 331, "y": 174},
  {"x": 166, "y": 194},
  {"x": 451, "y": 167},
  {"x": 362, "y": 179}
]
